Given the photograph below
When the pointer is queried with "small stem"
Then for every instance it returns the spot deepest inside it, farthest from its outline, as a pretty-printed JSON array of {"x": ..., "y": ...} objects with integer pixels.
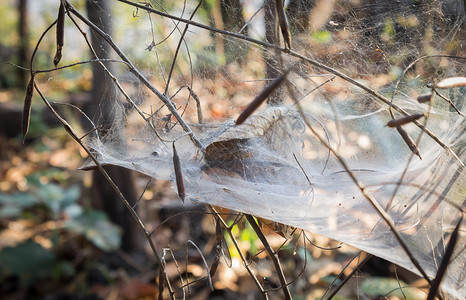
[
  {"x": 178, "y": 47},
  {"x": 315, "y": 63},
  {"x": 139, "y": 75},
  {"x": 273, "y": 256},
  {"x": 243, "y": 259},
  {"x": 385, "y": 216},
  {"x": 350, "y": 275},
  {"x": 135, "y": 216}
]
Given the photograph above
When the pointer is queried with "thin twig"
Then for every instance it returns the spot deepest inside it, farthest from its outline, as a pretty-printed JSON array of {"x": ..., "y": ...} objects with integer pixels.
[
  {"x": 177, "y": 269},
  {"x": 203, "y": 259},
  {"x": 399, "y": 283},
  {"x": 411, "y": 156},
  {"x": 250, "y": 19},
  {"x": 449, "y": 101},
  {"x": 315, "y": 63},
  {"x": 135, "y": 216},
  {"x": 339, "y": 274},
  {"x": 178, "y": 47},
  {"x": 385, "y": 216},
  {"x": 243, "y": 259},
  {"x": 347, "y": 278},
  {"x": 142, "y": 194},
  {"x": 139, "y": 75},
  {"x": 320, "y": 247},
  {"x": 273, "y": 256},
  {"x": 116, "y": 82},
  {"x": 79, "y": 63},
  {"x": 434, "y": 289},
  {"x": 423, "y": 188},
  {"x": 200, "y": 116},
  {"x": 302, "y": 169},
  {"x": 300, "y": 272}
]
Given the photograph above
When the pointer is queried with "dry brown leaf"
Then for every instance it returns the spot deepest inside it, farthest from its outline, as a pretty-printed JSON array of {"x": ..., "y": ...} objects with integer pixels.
[
  {"x": 255, "y": 125},
  {"x": 451, "y": 82},
  {"x": 135, "y": 289},
  {"x": 424, "y": 98},
  {"x": 257, "y": 147},
  {"x": 279, "y": 228},
  {"x": 230, "y": 144}
]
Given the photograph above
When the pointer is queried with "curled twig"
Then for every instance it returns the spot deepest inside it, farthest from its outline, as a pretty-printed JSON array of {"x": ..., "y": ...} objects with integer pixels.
[
  {"x": 203, "y": 260},
  {"x": 200, "y": 116},
  {"x": 218, "y": 247},
  {"x": 272, "y": 255}
]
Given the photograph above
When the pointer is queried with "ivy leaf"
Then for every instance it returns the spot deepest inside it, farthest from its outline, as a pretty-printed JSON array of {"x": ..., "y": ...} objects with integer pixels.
[
  {"x": 376, "y": 287},
  {"x": 56, "y": 198},
  {"x": 13, "y": 205},
  {"x": 96, "y": 228},
  {"x": 28, "y": 261}
]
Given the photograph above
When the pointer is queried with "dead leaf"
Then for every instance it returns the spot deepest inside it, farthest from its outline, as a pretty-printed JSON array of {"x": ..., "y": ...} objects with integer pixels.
[
  {"x": 264, "y": 124},
  {"x": 283, "y": 230},
  {"x": 261, "y": 146},
  {"x": 136, "y": 290},
  {"x": 451, "y": 82}
]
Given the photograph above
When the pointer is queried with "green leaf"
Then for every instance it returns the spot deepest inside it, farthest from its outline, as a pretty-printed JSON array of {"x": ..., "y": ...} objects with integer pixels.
[
  {"x": 388, "y": 34},
  {"x": 10, "y": 211},
  {"x": 63, "y": 268},
  {"x": 71, "y": 195},
  {"x": 21, "y": 200},
  {"x": 56, "y": 198},
  {"x": 50, "y": 173},
  {"x": 97, "y": 229},
  {"x": 13, "y": 205},
  {"x": 381, "y": 286},
  {"x": 28, "y": 261},
  {"x": 51, "y": 195},
  {"x": 73, "y": 211},
  {"x": 322, "y": 37}
]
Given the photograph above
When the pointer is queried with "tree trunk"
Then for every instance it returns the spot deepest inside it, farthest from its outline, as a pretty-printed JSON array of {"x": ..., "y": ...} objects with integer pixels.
[
  {"x": 23, "y": 42},
  {"x": 298, "y": 12},
  {"x": 103, "y": 89},
  {"x": 233, "y": 20},
  {"x": 271, "y": 58}
]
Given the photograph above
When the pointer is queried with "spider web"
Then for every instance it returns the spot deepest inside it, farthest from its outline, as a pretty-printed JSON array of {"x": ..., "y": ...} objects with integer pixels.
[{"x": 274, "y": 166}]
